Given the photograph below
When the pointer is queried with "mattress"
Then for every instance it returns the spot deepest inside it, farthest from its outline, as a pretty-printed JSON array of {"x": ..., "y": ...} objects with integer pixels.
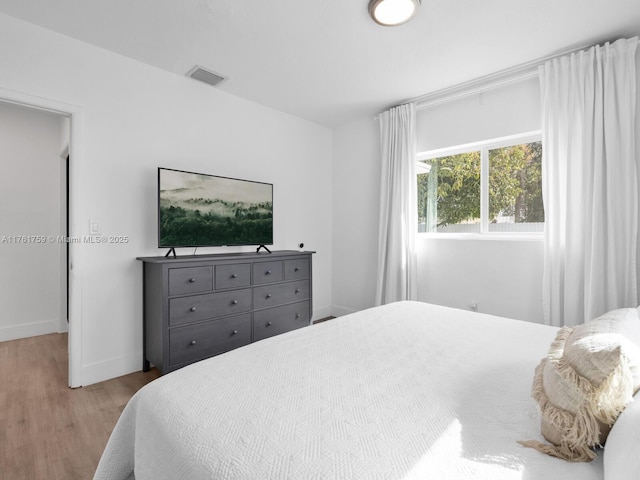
[{"x": 403, "y": 391}]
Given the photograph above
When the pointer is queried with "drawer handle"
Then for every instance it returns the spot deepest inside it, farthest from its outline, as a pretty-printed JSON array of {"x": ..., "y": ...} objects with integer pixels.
[
  {"x": 296, "y": 269},
  {"x": 235, "y": 302},
  {"x": 268, "y": 324},
  {"x": 297, "y": 290},
  {"x": 297, "y": 315},
  {"x": 235, "y": 332},
  {"x": 192, "y": 309},
  {"x": 193, "y": 342},
  {"x": 192, "y": 280},
  {"x": 268, "y": 272},
  {"x": 268, "y": 295},
  {"x": 234, "y": 276}
]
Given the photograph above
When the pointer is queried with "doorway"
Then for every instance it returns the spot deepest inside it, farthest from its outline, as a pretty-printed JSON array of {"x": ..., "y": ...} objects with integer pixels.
[{"x": 36, "y": 167}]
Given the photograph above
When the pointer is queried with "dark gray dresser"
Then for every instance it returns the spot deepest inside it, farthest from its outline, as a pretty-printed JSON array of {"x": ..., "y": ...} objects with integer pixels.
[{"x": 203, "y": 305}]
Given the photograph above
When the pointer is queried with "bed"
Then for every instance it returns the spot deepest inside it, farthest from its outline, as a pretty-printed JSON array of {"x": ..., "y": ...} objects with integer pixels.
[{"x": 403, "y": 391}]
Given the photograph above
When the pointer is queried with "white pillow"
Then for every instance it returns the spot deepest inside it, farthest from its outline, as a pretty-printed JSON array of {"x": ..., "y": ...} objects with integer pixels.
[
  {"x": 590, "y": 374},
  {"x": 622, "y": 450}
]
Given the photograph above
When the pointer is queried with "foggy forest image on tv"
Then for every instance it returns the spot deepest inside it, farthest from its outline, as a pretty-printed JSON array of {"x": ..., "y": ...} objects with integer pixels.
[{"x": 205, "y": 210}]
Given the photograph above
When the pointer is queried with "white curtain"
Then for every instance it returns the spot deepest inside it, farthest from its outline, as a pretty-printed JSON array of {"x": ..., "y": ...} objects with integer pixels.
[
  {"x": 589, "y": 182},
  {"x": 397, "y": 278}
]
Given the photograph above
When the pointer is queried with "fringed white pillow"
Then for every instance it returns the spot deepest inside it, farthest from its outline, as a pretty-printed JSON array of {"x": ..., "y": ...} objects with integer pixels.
[{"x": 588, "y": 377}]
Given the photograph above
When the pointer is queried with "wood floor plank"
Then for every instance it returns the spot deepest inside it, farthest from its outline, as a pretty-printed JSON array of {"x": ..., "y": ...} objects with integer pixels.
[{"x": 48, "y": 430}]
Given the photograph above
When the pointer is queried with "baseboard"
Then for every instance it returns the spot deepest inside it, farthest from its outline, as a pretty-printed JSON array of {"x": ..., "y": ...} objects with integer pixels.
[
  {"x": 63, "y": 326},
  {"x": 322, "y": 312},
  {"x": 112, "y": 368},
  {"x": 339, "y": 311},
  {"x": 26, "y": 330}
]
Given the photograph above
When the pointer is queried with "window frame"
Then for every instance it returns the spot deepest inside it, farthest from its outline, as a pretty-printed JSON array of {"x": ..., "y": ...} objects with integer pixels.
[{"x": 483, "y": 147}]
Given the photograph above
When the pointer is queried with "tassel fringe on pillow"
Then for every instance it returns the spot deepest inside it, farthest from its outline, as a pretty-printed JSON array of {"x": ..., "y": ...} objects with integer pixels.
[{"x": 586, "y": 428}]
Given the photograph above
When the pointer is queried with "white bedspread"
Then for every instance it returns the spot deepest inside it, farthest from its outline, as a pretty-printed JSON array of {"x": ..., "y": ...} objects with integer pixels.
[{"x": 404, "y": 391}]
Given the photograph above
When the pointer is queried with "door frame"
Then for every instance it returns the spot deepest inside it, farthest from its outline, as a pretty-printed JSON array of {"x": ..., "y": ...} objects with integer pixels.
[{"x": 74, "y": 258}]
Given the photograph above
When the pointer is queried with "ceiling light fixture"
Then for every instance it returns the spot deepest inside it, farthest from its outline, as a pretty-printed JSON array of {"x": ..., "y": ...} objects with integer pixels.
[{"x": 390, "y": 13}]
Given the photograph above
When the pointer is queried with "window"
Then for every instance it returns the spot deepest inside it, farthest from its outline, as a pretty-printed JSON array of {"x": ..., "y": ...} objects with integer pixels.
[{"x": 488, "y": 187}]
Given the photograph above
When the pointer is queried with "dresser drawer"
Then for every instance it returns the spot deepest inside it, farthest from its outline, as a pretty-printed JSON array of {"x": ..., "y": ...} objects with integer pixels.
[
  {"x": 201, "y": 307},
  {"x": 296, "y": 269},
  {"x": 274, "y": 321},
  {"x": 194, "y": 342},
  {"x": 206, "y": 298},
  {"x": 267, "y": 272},
  {"x": 233, "y": 276},
  {"x": 190, "y": 280},
  {"x": 279, "y": 293}
]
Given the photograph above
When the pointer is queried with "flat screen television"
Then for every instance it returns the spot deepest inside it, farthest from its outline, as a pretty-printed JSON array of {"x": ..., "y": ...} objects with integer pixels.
[{"x": 200, "y": 210}]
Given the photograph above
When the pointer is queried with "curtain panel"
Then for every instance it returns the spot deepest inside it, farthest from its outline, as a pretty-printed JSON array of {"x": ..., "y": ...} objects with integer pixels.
[
  {"x": 589, "y": 182},
  {"x": 398, "y": 227}
]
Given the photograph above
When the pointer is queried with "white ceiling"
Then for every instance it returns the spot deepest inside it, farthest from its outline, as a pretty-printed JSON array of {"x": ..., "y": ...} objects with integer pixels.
[{"x": 326, "y": 60}]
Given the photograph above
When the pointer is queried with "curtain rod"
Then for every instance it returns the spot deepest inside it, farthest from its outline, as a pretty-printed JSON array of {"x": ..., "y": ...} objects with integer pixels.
[{"x": 518, "y": 73}]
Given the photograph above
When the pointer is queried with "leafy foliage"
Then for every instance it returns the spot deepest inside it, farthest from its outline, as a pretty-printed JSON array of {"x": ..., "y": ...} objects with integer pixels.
[
  {"x": 247, "y": 225},
  {"x": 515, "y": 175},
  {"x": 515, "y": 183}
]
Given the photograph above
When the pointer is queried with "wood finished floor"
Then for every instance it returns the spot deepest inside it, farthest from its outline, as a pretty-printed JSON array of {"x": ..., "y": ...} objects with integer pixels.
[{"x": 48, "y": 430}]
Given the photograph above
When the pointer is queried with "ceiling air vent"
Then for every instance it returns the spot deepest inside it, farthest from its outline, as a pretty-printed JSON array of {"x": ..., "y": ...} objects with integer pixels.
[{"x": 204, "y": 75}]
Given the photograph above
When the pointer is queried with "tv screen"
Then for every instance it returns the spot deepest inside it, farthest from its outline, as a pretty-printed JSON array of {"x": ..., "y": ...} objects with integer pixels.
[{"x": 199, "y": 210}]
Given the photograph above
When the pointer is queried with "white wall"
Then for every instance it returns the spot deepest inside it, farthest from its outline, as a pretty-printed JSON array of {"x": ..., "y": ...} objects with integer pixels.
[
  {"x": 508, "y": 110},
  {"x": 135, "y": 118},
  {"x": 30, "y": 211},
  {"x": 356, "y": 187},
  {"x": 501, "y": 277}
]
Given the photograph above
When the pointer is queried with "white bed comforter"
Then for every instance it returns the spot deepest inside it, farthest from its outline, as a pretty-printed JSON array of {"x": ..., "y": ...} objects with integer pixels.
[{"x": 404, "y": 391}]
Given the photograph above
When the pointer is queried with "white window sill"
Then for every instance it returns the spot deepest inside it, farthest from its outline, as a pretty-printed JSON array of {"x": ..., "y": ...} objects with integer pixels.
[{"x": 534, "y": 236}]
